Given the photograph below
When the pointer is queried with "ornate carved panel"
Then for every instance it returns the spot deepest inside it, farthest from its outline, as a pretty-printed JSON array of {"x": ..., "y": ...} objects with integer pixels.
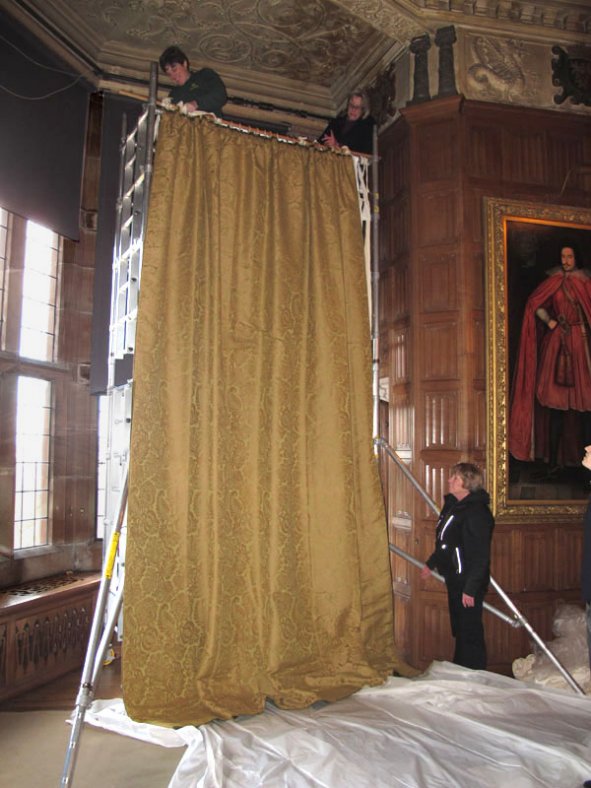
[
  {"x": 441, "y": 419},
  {"x": 44, "y": 630},
  {"x": 438, "y": 282},
  {"x": 439, "y": 345}
]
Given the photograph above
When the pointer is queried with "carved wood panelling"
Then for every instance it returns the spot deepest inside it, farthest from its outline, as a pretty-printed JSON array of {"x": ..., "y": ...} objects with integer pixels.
[
  {"x": 401, "y": 569},
  {"x": 479, "y": 420},
  {"x": 393, "y": 240},
  {"x": 484, "y": 150},
  {"x": 395, "y": 293},
  {"x": 399, "y": 348},
  {"x": 506, "y": 152},
  {"x": 564, "y": 153},
  {"x": 568, "y": 541},
  {"x": 478, "y": 334},
  {"x": 438, "y": 282},
  {"x": 401, "y": 422},
  {"x": 394, "y": 173},
  {"x": 441, "y": 419},
  {"x": 525, "y": 156},
  {"x": 437, "y": 144},
  {"x": 400, "y": 504},
  {"x": 439, "y": 344},
  {"x": 385, "y": 305},
  {"x": 437, "y": 218},
  {"x": 503, "y": 564},
  {"x": 45, "y": 632},
  {"x": 435, "y": 482},
  {"x": 435, "y": 640},
  {"x": 537, "y": 558}
]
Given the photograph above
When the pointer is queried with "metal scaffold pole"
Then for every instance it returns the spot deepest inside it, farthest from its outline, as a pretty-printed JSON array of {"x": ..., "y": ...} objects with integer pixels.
[
  {"x": 375, "y": 288},
  {"x": 137, "y": 149}
]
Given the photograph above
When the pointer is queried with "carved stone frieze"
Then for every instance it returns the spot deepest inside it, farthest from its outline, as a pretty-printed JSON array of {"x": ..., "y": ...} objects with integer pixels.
[{"x": 512, "y": 71}]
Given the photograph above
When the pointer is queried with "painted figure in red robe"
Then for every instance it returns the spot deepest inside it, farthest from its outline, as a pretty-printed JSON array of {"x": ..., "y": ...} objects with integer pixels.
[{"x": 553, "y": 367}]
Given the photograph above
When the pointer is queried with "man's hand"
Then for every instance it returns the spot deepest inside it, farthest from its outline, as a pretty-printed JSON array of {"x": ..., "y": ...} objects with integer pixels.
[
  {"x": 467, "y": 601},
  {"x": 425, "y": 572}
]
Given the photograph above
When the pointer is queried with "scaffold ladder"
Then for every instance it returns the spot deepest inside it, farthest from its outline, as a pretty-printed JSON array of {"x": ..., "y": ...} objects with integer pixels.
[{"x": 136, "y": 157}]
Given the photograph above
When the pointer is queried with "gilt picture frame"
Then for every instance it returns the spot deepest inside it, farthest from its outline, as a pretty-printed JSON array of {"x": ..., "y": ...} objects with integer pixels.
[{"x": 533, "y": 469}]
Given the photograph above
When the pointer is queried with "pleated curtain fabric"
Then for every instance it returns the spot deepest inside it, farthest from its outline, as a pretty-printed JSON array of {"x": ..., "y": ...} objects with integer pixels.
[{"x": 257, "y": 557}]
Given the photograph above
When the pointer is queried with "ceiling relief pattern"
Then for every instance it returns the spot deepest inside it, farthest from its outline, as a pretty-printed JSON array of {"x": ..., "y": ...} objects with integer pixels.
[
  {"x": 385, "y": 16},
  {"x": 311, "y": 40}
]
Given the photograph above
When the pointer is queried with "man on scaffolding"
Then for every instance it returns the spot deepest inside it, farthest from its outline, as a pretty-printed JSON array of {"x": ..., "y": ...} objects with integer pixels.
[
  {"x": 200, "y": 90},
  {"x": 462, "y": 556}
]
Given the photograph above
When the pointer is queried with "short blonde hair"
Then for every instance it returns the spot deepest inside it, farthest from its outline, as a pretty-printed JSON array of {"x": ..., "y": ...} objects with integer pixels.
[{"x": 470, "y": 474}]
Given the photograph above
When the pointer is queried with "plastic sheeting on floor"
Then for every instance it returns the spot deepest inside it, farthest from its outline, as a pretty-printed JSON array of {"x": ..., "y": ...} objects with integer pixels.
[{"x": 447, "y": 727}]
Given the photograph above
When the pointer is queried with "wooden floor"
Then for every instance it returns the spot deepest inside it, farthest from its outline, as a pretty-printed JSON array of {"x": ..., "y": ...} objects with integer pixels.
[{"x": 60, "y": 695}]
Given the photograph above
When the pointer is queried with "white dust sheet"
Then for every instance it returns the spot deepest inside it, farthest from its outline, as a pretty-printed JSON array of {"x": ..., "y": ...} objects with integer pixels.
[{"x": 448, "y": 727}]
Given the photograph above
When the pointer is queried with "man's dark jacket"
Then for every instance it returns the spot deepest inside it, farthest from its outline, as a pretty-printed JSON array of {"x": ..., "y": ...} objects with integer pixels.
[{"x": 462, "y": 542}]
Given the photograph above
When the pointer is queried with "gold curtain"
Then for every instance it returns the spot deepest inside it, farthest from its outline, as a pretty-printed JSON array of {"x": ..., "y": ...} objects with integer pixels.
[{"x": 257, "y": 556}]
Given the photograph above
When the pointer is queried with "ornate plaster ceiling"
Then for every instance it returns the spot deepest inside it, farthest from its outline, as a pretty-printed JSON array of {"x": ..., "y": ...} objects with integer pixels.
[{"x": 303, "y": 54}]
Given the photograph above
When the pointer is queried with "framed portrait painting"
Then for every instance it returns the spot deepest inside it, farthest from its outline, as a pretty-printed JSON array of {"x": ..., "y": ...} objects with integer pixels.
[{"x": 538, "y": 303}]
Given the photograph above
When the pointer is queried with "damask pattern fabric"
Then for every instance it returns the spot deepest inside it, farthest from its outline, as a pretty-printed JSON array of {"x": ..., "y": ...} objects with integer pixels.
[{"x": 257, "y": 557}]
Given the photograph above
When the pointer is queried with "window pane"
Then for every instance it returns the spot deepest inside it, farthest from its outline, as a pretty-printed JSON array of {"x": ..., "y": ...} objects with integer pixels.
[
  {"x": 37, "y": 334},
  {"x": 33, "y": 436}
]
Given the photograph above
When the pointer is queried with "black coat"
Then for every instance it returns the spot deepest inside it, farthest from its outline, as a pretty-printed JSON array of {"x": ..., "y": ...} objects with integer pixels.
[
  {"x": 462, "y": 542},
  {"x": 356, "y": 134}
]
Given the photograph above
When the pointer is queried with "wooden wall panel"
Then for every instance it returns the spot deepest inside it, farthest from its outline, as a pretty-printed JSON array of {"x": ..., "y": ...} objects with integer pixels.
[
  {"x": 401, "y": 422},
  {"x": 568, "y": 544},
  {"x": 434, "y": 640},
  {"x": 439, "y": 150},
  {"x": 437, "y": 216},
  {"x": 479, "y": 420},
  {"x": 441, "y": 419},
  {"x": 524, "y": 155},
  {"x": 484, "y": 151},
  {"x": 536, "y": 558},
  {"x": 399, "y": 292},
  {"x": 438, "y": 285},
  {"x": 450, "y": 154},
  {"x": 399, "y": 351},
  {"x": 438, "y": 341}
]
